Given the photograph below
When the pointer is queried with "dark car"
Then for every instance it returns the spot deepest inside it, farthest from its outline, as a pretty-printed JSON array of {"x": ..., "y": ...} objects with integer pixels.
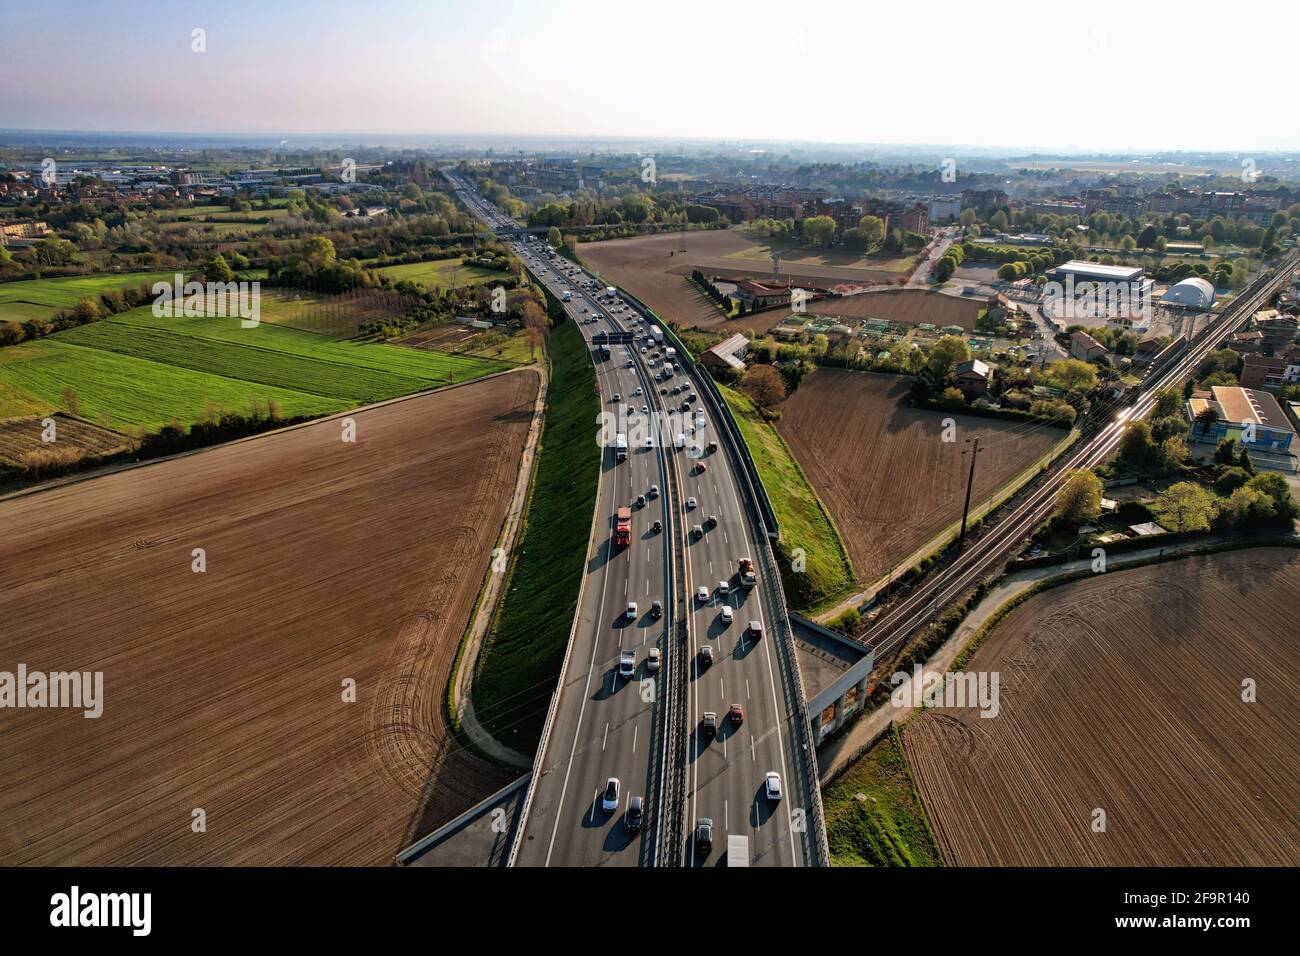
[
  {"x": 657, "y": 527},
  {"x": 713, "y": 446},
  {"x": 640, "y": 501},
  {"x": 635, "y": 815},
  {"x": 704, "y": 835},
  {"x": 736, "y": 715},
  {"x": 706, "y": 655},
  {"x": 656, "y": 609}
]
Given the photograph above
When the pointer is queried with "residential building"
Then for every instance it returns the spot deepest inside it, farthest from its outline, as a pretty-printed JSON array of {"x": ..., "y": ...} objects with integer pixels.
[
  {"x": 1085, "y": 348},
  {"x": 22, "y": 229},
  {"x": 973, "y": 378},
  {"x": 945, "y": 208},
  {"x": 1262, "y": 371},
  {"x": 984, "y": 199}
]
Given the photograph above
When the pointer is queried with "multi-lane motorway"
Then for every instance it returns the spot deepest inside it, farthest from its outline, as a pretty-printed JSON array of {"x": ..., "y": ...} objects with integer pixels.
[{"x": 605, "y": 726}]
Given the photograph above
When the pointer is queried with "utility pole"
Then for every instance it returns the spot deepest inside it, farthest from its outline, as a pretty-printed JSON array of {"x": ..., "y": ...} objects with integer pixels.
[{"x": 970, "y": 482}]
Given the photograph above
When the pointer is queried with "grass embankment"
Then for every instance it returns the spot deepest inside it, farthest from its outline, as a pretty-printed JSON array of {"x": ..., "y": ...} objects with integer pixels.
[
  {"x": 805, "y": 524},
  {"x": 521, "y": 656},
  {"x": 887, "y": 826}
]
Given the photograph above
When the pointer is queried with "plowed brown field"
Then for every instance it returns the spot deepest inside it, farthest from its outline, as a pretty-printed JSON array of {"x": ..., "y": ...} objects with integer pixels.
[
  {"x": 223, "y": 690},
  {"x": 908, "y": 306},
  {"x": 1124, "y": 693},
  {"x": 881, "y": 467},
  {"x": 656, "y": 271}
]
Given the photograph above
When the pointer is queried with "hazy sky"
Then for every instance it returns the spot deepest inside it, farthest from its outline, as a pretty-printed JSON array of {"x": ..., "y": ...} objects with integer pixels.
[{"x": 1085, "y": 75}]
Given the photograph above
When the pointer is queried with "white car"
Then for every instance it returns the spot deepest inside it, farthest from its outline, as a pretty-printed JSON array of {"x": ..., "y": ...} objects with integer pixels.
[
  {"x": 690, "y": 504},
  {"x": 703, "y": 594},
  {"x": 609, "y": 799},
  {"x": 649, "y": 443},
  {"x": 654, "y": 491},
  {"x": 631, "y": 610},
  {"x": 724, "y": 588},
  {"x": 727, "y": 614},
  {"x": 626, "y": 665},
  {"x": 652, "y": 660},
  {"x": 771, "y": 783}
]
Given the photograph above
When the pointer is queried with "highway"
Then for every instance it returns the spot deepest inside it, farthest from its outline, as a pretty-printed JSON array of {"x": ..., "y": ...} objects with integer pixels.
[
  {"x": 1004, "y": 536},
  {"x": 725, "y": 775},
  {"x": 604, "y": 727}
]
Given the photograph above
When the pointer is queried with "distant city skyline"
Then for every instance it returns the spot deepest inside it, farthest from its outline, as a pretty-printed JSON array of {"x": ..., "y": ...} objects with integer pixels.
[{"x": 1111, "y": 77}]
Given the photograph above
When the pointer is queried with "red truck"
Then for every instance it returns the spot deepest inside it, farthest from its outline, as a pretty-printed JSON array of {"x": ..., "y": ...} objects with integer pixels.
[
  {"x": 747, "y": 576},
  {"x": 623, "y": 527}
]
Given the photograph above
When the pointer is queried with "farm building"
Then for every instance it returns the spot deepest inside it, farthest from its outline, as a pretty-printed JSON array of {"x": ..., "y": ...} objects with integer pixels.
[
  {"x": 760, "y": 295},
  {"x": 973, "y": 378},
  {"x": 1253, "y": 417},
  {"x": 1192, "y": 293},
  {"x": 728, "y": 354}
]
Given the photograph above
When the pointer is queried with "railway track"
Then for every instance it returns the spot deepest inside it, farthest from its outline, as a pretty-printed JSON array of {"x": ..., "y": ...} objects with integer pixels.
[{"x": 898, "y": 624}]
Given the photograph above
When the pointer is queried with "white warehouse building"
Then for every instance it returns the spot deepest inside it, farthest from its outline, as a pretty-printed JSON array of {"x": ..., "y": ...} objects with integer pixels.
[{"x": 1191, "y": 293}]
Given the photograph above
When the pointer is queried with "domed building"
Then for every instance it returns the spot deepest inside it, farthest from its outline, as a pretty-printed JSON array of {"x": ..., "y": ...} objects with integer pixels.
[{"x": 1191, "y": 293}]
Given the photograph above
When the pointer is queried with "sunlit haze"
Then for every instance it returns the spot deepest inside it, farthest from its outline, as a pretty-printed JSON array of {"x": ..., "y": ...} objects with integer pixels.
[{"x": 1099, "y": 77}]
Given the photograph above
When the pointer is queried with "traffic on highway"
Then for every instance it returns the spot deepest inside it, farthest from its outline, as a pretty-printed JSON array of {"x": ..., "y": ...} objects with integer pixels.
[{"x": 611, "y": 741}]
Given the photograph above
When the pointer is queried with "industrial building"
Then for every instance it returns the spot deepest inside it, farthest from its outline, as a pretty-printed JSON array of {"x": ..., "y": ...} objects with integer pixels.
[{"x": 1255, "y": 418}]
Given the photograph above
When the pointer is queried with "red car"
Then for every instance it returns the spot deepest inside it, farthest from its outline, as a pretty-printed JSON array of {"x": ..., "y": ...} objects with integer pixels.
[
  {"x": 736, "y": 715},
  {"x": 701, "y": 468}
]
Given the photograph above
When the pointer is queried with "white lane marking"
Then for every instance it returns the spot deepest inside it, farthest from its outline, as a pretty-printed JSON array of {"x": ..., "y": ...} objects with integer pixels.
[
  {"x": 752, "y": 755},
  {"x": 771, "y": 676},
  {"x": 604, "y": 740},
  {"x": 635, "y": 731},
  {"x": 722, "y": 688},
  {"x": 748, "y": 695},
  {"x": 591, "y": 664}
]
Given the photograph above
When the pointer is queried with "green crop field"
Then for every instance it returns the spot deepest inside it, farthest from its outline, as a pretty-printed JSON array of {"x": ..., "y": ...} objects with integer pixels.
[
  {"x": 442, "y": 273},
  {"x": 136, "y": 369},
  {"x": 125, "y": 391},
  {"x": 37, "y": 298}
]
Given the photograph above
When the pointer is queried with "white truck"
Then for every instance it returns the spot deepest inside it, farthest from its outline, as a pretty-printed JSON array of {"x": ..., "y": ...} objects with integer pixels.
[
  {"x": 657, "y": 334},
  {"x": 670, "y": 353},
  {"x": 611, "y": 291},
  {"x": 620, "y": 447},
  {"x": 568, "y": 297},
  {"x": 737, "y": 850}
]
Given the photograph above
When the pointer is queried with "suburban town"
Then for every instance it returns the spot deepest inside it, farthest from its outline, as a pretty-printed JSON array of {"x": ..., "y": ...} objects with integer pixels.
[{"x": 445, "y": 481}]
